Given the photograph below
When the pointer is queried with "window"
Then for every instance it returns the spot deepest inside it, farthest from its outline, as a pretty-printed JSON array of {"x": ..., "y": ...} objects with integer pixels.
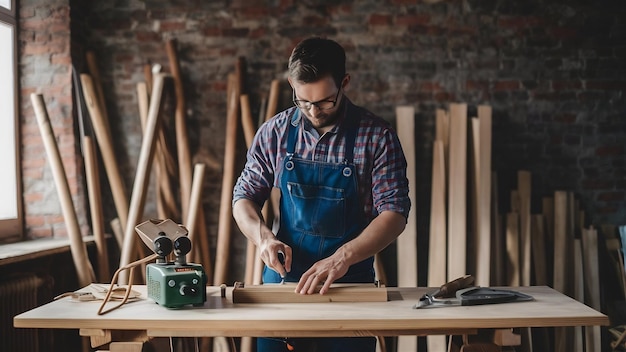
[{"x": 10, "y": 192}]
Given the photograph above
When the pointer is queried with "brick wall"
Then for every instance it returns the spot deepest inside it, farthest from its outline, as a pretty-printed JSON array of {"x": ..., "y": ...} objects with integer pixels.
[
  {"x": 552, "y": 70},
  {"x": 45, "y": 68}
]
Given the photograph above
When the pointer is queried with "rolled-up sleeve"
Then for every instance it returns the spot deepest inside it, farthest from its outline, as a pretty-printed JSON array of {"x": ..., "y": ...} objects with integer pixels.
[{"x": 390, "y": 186}]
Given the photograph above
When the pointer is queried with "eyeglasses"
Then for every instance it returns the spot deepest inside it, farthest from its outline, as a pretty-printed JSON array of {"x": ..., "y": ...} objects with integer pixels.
[{"x": 325, "y": 104}]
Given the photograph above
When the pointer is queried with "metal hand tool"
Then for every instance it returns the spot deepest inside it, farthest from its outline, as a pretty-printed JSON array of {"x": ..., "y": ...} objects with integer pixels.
[{"x": 447, "y": 290}]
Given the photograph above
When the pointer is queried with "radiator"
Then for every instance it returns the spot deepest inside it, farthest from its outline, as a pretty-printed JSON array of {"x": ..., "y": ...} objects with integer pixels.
[{"x": 18, "y": 294}]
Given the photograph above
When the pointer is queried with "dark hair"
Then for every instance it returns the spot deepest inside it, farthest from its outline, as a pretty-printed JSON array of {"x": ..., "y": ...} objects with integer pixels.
[{"x": 314, "y": 58}]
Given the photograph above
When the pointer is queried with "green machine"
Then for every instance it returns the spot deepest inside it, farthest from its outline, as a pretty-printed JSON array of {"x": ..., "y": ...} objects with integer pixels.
[{"x": 172, "y": 284}]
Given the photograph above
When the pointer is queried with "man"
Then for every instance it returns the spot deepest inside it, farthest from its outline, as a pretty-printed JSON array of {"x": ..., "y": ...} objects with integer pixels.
[{"x": 342, "y": 176}]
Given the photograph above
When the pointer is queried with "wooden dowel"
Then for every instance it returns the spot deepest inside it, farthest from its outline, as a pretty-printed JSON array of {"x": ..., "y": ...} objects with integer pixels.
[
  {"x": 248, "y": 132},
  {"x": 84, "y": 270},
  {"x": 94, "y": 72},
  {"x": 225, "y": 214},
  {"x": 182, "y": 142},
  {"x": 195, "y": 207},
  {"x": 105, "y": 142},
  {"x": 142, "y": 176},
  {"x": 95, "y": 206},
  {"x": 166, "y": 202},
  {"x": 273, "y": 99}
]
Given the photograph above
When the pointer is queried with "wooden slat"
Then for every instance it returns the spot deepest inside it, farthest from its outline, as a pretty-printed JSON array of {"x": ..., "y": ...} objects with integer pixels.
[
  {"x": 95, "y": 206},
  {"x": 538, "y": 248},
  {"x": 142, "y": 177},
  {"x": 407, "y": 241},
  {"x": 560, "y": 240},
  {"x": 437, "y": 250},
  {"x": 105, "y": 142},
  {"x": 277, "y": 293},
  {"x": 547, "y": 209},
  {"x": 512, "y": 249},
  {"x": 437, "y": 247},
  {"x": 483, "y": 231},
  {"x": 498, "y": 248},
  {"x": 579, "y": 290},
  {"x": 474, "y": 180},
  {"x": 524, "y": 189},
  {"x": 225, "y": 212},
  {"x": 563, "y": 337},
  {"x": 591, "y": 269},
  {"x": 457, "y": 191},
  {"x": 182, "y": 142},
  {"x": 83, "y": 267}
]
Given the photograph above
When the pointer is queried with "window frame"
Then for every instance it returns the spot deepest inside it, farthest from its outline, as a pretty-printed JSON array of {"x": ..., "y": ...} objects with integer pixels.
[{"x": 13, "y": 229}]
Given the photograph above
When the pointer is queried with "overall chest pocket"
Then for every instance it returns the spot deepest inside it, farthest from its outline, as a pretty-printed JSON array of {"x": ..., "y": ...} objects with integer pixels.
[{"x": 317, "y": 210}]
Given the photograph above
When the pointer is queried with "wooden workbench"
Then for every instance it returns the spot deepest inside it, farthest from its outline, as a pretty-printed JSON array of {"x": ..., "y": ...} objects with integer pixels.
[{"x": 220, "y": 317}]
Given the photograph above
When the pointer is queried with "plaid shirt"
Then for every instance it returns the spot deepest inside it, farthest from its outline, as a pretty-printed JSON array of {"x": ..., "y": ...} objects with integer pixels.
[{"x": 378, "y": 157}]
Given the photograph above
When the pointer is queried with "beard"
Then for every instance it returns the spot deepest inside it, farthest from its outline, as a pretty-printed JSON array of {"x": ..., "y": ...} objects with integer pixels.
[{"x": 322, "y": 119}]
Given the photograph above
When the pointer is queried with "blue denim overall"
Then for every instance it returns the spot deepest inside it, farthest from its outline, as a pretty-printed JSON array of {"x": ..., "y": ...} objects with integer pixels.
[{"x": 320, "y": 211}]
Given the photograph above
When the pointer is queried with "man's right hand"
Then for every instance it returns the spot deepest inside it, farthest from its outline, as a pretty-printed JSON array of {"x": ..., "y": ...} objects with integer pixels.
[{"x": 270, "y": 249}]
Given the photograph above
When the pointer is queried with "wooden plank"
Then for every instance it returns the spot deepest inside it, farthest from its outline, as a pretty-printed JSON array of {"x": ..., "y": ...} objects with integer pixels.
[
  {"x": 457, "y": 228},
  {"x": 474, "y": 180},
  {"x": 95, "y": 206},
  {"x": 512, "y": 249},
  {"x": 563, "y": 337},
  {"x": 538, "y": 248},
  {"x": 579, "y": 290},
  {"x": 591, "y": 270},
  {"x": 195, "y": 207},
  {"x": 442, "y": 131},
  {"x": 498, "y": 248},
  {"x": 285, "y": 293},
  {"x": 437, "y": 248},
  {"x": 524, "y": 189},
  {"x": 225, "y": 213},
  {"x": 547, "y": 209},
  {"x": 142, "y": 177},
  {"x": 437, "y": 244},
  {"x": 483, "y": 231},
  {"x": 560, "y": 240},
  {"x": 84, "y": 270},
  {"x": 182, "y": 142},
  {"x": 407, "y": 241},
  {"x": 105, "y": 142}
]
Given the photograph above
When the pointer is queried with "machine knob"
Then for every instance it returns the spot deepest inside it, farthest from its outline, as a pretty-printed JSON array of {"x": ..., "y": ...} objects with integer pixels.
[{"x": 186, "y": 290}]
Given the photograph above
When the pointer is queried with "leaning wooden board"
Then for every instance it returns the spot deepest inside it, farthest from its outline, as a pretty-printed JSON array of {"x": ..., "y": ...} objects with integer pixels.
[
  {"x": 407, "y": 242},
  {"x": 457, "y": 195},
  {"x": 285, "y": 293}
]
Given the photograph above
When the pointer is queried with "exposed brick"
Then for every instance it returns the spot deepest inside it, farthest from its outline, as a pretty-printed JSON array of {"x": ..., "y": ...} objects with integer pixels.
[
  {"x": 610, "y": 150},
  {"x": 171, "y": 26},
  {"x": 412, "y": 20},
  {"x": 611, "y": 196},
  {"x": 506, "y": 85},
  {"x": 379, "y": 20}
]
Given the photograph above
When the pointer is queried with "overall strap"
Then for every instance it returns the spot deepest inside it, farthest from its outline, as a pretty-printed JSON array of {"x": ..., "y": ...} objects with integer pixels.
[
  {"x": 352, "y": 126},
  {"x": 292, "y": 133}
]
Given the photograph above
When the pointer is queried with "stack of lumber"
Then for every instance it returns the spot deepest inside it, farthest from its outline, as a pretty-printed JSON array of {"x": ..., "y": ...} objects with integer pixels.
[
  {"x": 455, "y": 249},
  {"x": 522, "y": 247}
]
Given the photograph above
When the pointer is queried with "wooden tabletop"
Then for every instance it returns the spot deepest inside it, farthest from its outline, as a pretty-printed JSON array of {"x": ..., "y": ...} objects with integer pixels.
[{"x": 220, "y": 317}]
